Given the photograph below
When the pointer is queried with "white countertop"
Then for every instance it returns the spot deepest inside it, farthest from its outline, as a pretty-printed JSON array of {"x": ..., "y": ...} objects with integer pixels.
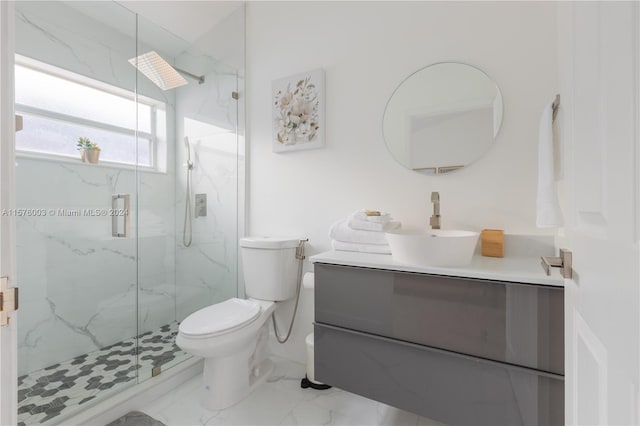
[{"x": 520, "y": 269}]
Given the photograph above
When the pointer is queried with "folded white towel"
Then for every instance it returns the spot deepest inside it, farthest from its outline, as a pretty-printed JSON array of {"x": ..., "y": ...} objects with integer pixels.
[
  {"x": 342, "y": 232},
  {"x": 366, "y": 225},
  {"x": 361, "y": 248},
  {"x": 548, "y": 214},
  {"x": 360, "y": 215}
]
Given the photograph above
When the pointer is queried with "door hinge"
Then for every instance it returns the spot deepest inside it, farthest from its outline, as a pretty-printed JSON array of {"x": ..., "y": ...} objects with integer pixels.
[
  {"x": 8, "y": 300},
  {"x": 564, "y": 262},
  {"x": 235, "y": 95},
  {"x": 19, "y": 123}
]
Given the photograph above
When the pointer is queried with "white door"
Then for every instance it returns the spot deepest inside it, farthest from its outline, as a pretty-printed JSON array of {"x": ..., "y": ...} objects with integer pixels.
[
  {"x": 599, "y": 87},
  {"x": 8, "y": 334}
]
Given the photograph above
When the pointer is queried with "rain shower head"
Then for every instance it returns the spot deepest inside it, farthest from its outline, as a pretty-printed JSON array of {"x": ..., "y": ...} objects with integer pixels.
[{"x": 160, "y": 72}]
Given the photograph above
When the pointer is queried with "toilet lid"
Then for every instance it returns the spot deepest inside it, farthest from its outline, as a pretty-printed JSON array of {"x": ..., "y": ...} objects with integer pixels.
[{"x": 221, "y": 317}]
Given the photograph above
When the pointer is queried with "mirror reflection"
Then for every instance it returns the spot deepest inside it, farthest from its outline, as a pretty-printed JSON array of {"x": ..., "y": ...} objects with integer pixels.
[{"x": 442, "y": 118}]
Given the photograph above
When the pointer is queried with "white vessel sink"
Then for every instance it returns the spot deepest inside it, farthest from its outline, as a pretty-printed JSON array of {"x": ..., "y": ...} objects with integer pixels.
[{"x": 433, "y": 247}]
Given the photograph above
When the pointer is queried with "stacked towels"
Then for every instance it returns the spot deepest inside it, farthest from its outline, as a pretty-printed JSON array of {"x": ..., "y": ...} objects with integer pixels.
[{"x": 363, "y": 232}]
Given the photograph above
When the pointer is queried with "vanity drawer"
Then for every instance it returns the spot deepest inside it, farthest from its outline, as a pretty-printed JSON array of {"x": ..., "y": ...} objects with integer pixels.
[
  {"x": 448, "y": 387},
  {"x": 520, "y": 324}
]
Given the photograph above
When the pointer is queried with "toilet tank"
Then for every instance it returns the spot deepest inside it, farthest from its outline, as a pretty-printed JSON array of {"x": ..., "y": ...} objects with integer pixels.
[{"x": 270, "y": 267}]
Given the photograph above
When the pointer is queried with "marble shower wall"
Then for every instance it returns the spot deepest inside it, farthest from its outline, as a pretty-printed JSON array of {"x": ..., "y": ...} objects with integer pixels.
[
  {"x": 78, "y": 284},
  {"x": 207, "y": 271}
]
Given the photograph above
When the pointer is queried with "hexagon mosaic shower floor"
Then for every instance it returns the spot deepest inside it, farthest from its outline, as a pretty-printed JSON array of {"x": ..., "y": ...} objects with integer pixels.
[{"x": 59, "y": 389}]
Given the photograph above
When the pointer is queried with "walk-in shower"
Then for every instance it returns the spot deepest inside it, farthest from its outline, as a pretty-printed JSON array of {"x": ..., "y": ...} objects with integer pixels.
[{"x": 100, "y": 309}]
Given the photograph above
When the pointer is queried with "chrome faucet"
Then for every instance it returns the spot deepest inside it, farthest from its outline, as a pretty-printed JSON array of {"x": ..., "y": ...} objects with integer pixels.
[{"x": 434, "y": 221}]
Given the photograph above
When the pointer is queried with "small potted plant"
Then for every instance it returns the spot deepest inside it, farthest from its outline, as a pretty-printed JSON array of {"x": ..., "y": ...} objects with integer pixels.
[{"x": 89, "y": 151}]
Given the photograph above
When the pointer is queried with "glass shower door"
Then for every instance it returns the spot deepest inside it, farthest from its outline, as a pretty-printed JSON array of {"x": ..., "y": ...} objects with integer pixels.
[
  {"x": 188, "y": 235},
  {"x": 157, "y": 323},
  {"x": 76, "y": 186}
]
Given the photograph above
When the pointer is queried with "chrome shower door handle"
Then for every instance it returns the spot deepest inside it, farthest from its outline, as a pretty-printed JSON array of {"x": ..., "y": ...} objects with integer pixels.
[{"x": 124, "y": 212}]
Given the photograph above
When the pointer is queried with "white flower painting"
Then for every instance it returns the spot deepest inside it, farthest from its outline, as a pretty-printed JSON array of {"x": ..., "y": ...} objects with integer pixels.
[{"x": 298, "y": 112}]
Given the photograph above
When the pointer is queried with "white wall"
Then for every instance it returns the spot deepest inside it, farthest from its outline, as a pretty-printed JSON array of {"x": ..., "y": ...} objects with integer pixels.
[{"x": 367, "y": 49}]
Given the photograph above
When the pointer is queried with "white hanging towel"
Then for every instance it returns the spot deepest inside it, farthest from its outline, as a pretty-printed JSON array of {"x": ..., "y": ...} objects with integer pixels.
[{"x": 548, "y": 213}]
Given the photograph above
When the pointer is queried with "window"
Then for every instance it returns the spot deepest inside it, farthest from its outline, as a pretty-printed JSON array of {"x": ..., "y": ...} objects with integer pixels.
[{"x": 59, "y": 106}]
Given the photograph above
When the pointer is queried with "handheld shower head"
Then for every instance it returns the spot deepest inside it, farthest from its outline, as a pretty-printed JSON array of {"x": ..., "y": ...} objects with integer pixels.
[{"x": 186, "y": 144}]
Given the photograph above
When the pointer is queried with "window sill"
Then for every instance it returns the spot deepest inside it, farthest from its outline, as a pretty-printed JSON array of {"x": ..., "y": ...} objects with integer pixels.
[{"x": 77, "y": 162}]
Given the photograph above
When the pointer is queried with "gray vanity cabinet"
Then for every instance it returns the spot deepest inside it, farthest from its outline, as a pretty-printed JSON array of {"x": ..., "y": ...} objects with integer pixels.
[{"x": 461, "y": 351}]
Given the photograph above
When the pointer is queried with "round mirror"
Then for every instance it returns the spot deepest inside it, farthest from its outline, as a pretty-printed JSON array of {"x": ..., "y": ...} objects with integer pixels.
[{"x": 442, "y": 118}]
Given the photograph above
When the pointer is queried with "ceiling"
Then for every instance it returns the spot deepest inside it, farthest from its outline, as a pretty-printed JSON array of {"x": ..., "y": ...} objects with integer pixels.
[{"x": 189, "y": 20}]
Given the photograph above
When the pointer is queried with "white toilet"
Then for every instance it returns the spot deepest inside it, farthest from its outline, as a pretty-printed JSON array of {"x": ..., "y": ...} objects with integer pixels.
[{"x": 232, "y": 335}]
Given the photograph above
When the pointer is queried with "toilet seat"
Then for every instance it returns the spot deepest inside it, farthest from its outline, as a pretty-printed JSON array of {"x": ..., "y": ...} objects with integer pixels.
[{"x": 220, "y": 318}]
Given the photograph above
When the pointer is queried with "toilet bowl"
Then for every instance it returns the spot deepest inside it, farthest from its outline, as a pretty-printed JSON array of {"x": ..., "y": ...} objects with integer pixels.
[{"x": 232, "y": 335}]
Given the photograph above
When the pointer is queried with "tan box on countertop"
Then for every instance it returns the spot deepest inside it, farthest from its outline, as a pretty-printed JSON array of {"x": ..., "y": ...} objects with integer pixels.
[{"x": 492, "y": 241}]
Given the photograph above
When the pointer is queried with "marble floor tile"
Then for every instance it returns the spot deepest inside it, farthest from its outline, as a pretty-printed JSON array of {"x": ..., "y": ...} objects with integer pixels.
[{"x": 281, "y": 401}]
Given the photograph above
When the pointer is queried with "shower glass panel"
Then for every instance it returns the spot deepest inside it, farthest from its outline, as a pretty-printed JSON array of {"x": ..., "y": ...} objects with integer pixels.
[
  {"x": 177, "y": 279},
  {"x": 78, "y": 314},
  {"x": 157, "y": 217},
  {"x": 207, "y": 120}
]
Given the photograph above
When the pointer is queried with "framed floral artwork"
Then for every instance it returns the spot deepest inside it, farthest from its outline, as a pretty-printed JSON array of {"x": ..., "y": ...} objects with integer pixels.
[{"x": 298, "y": 112}]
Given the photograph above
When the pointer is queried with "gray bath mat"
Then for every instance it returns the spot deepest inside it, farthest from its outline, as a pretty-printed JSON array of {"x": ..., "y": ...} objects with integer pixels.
[{"x": 136, "y": 418}]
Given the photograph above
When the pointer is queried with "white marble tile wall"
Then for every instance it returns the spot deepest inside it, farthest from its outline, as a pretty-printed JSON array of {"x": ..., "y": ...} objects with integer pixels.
[
  {"x": 78, "y": 283},
  {"x": 61, "y": 35}
]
